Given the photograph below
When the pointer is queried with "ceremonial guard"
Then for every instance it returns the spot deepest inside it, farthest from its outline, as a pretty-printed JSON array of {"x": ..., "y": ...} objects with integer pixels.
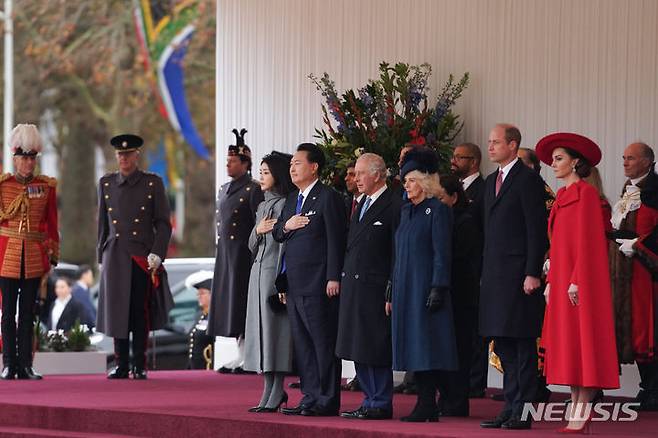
[
  {"x": 29, "y": 245},
  {"x": 237, "y": 202},
  {"x": 133, "y": 235},
  {"x": 201, "y": 344}
]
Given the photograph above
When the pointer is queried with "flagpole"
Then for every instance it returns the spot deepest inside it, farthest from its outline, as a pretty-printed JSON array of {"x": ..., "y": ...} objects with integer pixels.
[{"x": 6, "y": 15}]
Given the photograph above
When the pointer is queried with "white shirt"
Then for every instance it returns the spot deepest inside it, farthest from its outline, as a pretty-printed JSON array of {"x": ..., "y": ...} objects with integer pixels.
[
  {"x": 636, "y": 181},
  {"x": 307, "y": 190},
  {"x": 507, "y": 168},
  {"x": 58, "y": 309},
  {"x": 466, "y": 182},
  {"x": 376, "y": 195}
]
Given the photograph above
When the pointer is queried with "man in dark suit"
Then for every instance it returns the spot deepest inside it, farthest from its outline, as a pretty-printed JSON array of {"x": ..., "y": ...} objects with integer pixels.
[
  {"x": 465, "y": 165},
  {"x": 353, "y": 195},
  {"x": 515, "y": 242},
  {"x": 364, "y": 330},
  {"x": 80, "y": 293},
  {"x": 313, "y": 227},
  {"x": 65, "y": 310}
]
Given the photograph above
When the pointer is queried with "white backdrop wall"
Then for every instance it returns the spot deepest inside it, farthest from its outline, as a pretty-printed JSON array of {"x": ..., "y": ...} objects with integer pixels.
[{"x": 586, "y": 66}]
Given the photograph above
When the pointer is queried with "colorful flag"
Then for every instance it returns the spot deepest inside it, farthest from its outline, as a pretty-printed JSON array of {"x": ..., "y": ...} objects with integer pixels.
[{"x": 164, "y": 33}]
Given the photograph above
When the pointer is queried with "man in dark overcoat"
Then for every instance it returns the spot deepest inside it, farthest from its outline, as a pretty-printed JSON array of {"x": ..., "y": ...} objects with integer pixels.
[
  {"x": 237, "y": 202},
  {"x": 313, "y": 225},
  {"x": 364, "y": 329},
  {"x": 515, "y": 241},
  {"x": 133, "y": 236}
]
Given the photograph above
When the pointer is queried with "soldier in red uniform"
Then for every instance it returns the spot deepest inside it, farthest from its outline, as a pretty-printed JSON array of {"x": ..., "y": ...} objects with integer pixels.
[{"x": 29, "y": 245}]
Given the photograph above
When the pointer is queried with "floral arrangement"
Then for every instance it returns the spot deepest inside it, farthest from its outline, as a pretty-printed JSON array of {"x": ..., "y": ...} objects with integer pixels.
[
  {"x": 387, "y": 114},
  {"x": 76, "y": 339}
]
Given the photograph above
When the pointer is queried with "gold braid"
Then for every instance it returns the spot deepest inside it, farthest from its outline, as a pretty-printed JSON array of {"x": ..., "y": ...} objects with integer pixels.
[{"x": 20, "y": 204}]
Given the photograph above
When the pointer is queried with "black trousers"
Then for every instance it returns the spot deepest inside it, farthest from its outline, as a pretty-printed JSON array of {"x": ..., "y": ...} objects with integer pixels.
[
  {"x": 518, "y": 357},
  {"x": 314, "y": 326},
  {"x": 23, "y": 291},
  {"x": 649, "y": 376},
  {"x": 137, "y": 322},
  {"x": 454, "y": 385}
]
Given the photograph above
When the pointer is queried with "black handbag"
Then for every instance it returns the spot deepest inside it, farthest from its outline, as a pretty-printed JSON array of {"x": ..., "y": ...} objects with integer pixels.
[
  {"x": 275, "y": 304},
  {"x": 281, "y": 285}
]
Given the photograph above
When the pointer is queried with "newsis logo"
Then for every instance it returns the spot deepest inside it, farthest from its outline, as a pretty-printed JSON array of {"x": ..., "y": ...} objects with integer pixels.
[{"x": 597, "y": 411}]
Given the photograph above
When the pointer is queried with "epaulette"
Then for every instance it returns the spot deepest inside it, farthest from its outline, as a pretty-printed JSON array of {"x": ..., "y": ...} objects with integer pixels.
[
  {"x": 5, "y": 176},
  {"x": 52, "y": 182}
]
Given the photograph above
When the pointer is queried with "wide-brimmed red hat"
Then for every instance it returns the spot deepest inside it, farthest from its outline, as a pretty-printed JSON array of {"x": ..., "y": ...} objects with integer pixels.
[{"x": 576, "y": 142}]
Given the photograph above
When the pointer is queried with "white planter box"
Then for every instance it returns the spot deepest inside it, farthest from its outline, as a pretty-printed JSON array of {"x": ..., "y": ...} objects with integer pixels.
[{"x": 70, "y": 362}]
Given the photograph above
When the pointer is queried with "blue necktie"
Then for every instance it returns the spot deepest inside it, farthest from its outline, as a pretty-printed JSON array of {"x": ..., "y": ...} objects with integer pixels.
[
  {"x": 298, "y": 209},
  {"x": 300, "y": 201},
  {"x": 365, "y": 207}
]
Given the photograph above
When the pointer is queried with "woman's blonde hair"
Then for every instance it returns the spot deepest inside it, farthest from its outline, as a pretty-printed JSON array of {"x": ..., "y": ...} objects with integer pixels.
[{"x": 429, "y": 182}]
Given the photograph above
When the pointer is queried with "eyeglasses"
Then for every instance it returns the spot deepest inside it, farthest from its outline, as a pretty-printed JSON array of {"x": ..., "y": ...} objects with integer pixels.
[{"x": 462, "y": 157}]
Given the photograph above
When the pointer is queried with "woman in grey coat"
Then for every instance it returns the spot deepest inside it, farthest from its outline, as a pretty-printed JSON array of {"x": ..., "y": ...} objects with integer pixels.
[{"x": 268, "y": 343}]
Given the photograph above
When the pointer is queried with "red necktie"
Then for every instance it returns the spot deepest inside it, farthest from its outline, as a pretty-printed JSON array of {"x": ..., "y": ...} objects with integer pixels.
[
  {"x": 354, "y": 205},
  {"x": 499, "y": 181}
]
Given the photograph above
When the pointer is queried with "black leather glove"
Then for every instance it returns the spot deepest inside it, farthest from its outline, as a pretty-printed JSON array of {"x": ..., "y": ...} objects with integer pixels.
[
  {"x": 389, "y": 292},
  {"x": 436, "y": 298}
]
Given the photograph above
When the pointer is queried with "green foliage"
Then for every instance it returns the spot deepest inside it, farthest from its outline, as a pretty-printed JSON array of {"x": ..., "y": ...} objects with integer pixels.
[
  {"x": 385, "y": 115},
  {"x": 78, "y": 337}
]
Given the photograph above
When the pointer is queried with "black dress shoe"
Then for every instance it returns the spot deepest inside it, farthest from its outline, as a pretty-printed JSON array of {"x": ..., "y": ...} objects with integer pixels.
[
  {"x": 118, "y": 373},
  {"x": 455, "y": 412},
  {"x": 377, "y": 414},
  {"x": 352, "y": 385},
  {"x": 238, "y": 370},
  {"x": 497, "y": 422},
  {"x": 139, "y": 373},
  {"x": 316, "y": 411},
  {"x": 422, "y": 414},
  {"x": 515, "y": 423},
  {"x": 353, "y": 414},
  {"x": 8, "y": 373},
  {"x": 224, "y": 370},
  {"x": 27, "y": 373},
  {"x": 295, "y": 385},
  {"x": 476, "y": 393},
  {"x": 297, "y": 410},
  {"x": 256, "y": 409},
  {"x": 498, "y": 397}
]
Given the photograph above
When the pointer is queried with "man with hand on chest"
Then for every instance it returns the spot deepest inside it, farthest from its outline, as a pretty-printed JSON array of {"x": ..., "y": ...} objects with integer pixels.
[{"x": 313, "y": 225}]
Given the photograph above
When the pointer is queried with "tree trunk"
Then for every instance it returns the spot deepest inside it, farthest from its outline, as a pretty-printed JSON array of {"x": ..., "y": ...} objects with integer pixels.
[{"x": 77, "y": 195}]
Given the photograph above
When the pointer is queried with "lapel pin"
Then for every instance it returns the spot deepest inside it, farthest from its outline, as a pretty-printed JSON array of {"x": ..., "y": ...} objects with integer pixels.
[{"x": 428, "y": 211}]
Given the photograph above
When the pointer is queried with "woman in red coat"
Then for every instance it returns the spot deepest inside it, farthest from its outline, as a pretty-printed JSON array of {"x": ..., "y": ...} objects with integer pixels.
[{"x": 578, "y": 334}]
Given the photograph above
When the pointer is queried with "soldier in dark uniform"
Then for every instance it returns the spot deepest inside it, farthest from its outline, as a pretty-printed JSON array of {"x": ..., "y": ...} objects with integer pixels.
[
  {"x": 237, "y": 202},
  {"x": 133, "y": 235},
  {"x": 29, "y": 245},
  {"x": 201, "y": 344}
]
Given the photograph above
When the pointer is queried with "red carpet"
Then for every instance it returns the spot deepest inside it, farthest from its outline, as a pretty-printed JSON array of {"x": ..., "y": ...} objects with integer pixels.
[{"x": 206, "y": 404}]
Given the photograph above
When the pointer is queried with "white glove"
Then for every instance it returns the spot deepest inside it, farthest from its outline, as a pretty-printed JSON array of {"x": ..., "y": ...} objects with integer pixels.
[
  {"x": 546, "y": 267},
  {"x": 547, "y": 291},
  {"x": 154, "y": 261},
  {"x": 626, "y": 246}
]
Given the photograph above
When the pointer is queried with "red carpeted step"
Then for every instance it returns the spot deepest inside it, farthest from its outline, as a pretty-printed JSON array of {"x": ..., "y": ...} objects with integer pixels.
[
  {"x": 26, "y": 432},
  {"x": 175, "y": 404}
]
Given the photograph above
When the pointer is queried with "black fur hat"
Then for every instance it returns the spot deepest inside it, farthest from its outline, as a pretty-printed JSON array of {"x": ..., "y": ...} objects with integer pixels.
[
  {"x": 239, "y": 148},
  {"x": 423, "y": 159}
]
